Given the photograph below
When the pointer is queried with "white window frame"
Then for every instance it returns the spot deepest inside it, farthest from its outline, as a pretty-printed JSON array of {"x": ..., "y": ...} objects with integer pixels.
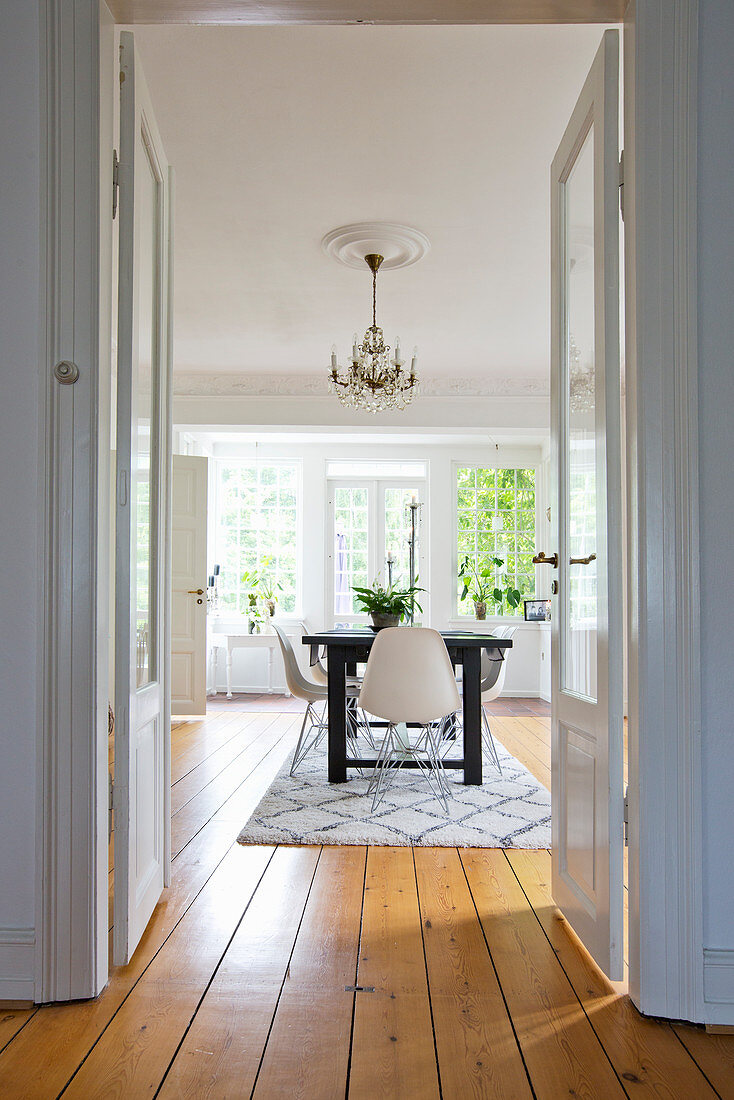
[
  {"x": 459, "y": 464},
  {"x": 238, "y": 460}
]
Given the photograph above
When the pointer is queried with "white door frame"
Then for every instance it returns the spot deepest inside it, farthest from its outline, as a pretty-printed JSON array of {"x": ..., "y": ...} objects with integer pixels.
[
  {"x": 660, "y": 141},
  {"x": 666, "y": 963}
]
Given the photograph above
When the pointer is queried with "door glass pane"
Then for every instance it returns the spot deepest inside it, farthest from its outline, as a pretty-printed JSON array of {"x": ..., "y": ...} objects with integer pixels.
[
  {"x": 145, "y": 441},
  {"x": 351, "y": 547},
  {"x": 397, "y": 535},
  {"x": 579, "y": 441}
]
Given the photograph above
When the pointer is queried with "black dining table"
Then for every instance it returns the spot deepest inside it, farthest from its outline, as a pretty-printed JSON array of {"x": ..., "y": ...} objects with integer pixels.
[{"x": 346, "y": 648}]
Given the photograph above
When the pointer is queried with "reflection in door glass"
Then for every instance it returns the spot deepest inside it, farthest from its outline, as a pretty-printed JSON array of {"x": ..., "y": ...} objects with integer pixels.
[
  {"x": 579, "y": 581},
  {"x": 144, "y": 423}
]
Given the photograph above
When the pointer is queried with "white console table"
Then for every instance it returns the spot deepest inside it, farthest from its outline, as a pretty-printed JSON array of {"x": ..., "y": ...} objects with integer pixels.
[{"x": 225, "y": 637}]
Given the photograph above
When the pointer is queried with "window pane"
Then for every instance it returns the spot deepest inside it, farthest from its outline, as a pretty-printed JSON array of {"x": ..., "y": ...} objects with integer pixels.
[
  {"x": 257, "y": 533},
  {"x": 396, "y": 534},
  {"x": 351, "y": 542},
  {"x": 496, "y": 518}
]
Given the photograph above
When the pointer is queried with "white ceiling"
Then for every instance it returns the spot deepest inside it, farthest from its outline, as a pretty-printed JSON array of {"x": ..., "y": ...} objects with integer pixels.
[{"x": 279, "y": 134}]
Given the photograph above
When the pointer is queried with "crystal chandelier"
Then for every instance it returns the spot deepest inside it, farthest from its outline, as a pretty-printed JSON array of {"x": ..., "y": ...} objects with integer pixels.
[{"x": 374, "y": 381}]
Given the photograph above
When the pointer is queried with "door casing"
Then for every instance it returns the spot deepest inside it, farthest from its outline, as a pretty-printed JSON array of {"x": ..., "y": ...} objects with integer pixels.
[{"x": 666, "y": 954}]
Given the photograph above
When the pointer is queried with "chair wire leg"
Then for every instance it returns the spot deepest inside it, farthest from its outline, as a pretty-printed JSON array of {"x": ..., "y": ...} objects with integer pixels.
[
  {"x": 308, "y": 739},
  {"x": 437, "y": 768},
  {"x": 489, "y": 742}
]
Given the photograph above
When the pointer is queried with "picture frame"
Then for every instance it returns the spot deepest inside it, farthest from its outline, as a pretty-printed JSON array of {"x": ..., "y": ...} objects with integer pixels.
[{"x": 536, "y": 611}]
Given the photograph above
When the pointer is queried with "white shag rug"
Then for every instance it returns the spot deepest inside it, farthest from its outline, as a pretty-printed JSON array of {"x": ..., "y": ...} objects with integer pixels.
[{"x": 511, "y": 810}]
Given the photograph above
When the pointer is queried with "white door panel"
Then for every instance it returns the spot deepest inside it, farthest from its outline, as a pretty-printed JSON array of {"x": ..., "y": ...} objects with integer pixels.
[
  {"x": 587, "y": 639},
  {"x": 142, "y": 706},
  {"x": 188, "y": 585}
]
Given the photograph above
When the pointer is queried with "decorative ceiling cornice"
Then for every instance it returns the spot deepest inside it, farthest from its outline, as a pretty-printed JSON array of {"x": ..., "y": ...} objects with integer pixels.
[{"x": 200, "y": 384}]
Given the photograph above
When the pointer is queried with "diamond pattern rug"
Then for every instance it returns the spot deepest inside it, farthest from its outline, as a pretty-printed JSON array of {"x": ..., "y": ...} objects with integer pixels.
[{"x": 511, "y": 810}]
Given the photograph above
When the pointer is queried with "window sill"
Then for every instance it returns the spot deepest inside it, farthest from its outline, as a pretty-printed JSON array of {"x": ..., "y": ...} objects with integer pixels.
[{"x": 495, "y": 620}]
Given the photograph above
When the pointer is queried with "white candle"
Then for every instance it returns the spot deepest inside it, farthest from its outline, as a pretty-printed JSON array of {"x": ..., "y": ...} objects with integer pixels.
[
  {"x": 333, "y": 356},
  {"x": 397, "y": 351},
  {"x": 414, "y": 360},
  {"x": 355, "y": 356},
  {"x": 414, "y": 499},
  {"x": 390, "y": 557}
]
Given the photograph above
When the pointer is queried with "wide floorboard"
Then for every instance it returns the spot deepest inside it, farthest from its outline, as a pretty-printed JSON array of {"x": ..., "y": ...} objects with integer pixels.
[{"x": 338, "y": 972}]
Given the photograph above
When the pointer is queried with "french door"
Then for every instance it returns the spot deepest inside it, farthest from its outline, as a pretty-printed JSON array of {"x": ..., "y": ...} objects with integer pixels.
[
  {"x": 142, "y": 691},
  {"x": 587, "y": 610},
  {"x": 368, "y": 530},
  {"x": 189, "y": 486}
]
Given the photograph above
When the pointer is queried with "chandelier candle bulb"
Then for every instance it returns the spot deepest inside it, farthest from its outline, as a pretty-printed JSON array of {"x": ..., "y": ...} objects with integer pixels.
[{"x": 333, "y": 356}]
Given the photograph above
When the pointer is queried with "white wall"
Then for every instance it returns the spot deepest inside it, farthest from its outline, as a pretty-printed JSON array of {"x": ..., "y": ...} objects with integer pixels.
[
  {"x": 20, "y": 504},
  {"x": 437, "y": 533},
  {"x": 716, "y": 432}
]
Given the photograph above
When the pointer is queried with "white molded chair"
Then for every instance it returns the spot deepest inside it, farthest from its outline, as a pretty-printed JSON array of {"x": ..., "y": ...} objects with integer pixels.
[
  {"x": 492, "y": 679},
  {"x": 315, "y": 726},
  {"x": 492, "y": 672},
  {"x": 356, "y": 722},
  {"x": 409, "y": 678}
]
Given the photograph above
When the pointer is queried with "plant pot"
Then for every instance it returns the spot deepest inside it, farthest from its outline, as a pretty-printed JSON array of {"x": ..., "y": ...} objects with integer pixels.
[
  {"x": 480, "y": 609},
  {"x": 380, "y": 621}
]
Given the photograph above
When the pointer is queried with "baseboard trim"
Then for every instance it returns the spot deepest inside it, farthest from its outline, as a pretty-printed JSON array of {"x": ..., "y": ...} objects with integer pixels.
[
  {"x": 718, "y": 983},
  {"x": 17, "y": 964},
  {"x": 279, "y": 689}
]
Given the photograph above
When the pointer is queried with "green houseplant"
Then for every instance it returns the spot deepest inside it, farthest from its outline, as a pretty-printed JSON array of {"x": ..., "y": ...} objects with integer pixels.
[
  {"x": 388, "y": 606},
  {"x": 251, "y": 582},
  {"x": 269, "y": 590},
  {"x": 479, "y": 583}
]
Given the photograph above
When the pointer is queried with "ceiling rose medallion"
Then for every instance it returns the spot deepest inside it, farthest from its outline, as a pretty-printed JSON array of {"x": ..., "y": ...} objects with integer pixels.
[{"x": 374, "y": 380}]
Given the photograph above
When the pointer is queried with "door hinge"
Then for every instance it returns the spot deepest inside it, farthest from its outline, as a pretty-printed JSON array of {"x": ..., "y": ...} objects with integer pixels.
[
  {"x": 115, "y": 183},
  {"x": 621, "y": 183},
  {"x": 627, "y": 817},
  {"x": 110, "y": 804}
]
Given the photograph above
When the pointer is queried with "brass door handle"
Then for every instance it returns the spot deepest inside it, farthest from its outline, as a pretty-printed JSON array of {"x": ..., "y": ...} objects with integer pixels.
[
  {"x": 196, "y": 592},
  {"x": 542, "y": 559},
  {"x": 582, "y": 561}
]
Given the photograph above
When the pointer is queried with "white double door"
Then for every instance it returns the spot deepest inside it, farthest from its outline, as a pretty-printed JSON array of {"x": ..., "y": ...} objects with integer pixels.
[
  {"x": 369, "y": 521},
  {"x": 587, "y": 551},
  {"x": 142, "y": 545}
]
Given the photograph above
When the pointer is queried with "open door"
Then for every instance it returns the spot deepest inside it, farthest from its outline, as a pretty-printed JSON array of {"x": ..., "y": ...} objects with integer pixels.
[
  {"x": 587, "y": 610},
  {"x": 188, "y": 585},
  {"x": 142, "y": 696}
]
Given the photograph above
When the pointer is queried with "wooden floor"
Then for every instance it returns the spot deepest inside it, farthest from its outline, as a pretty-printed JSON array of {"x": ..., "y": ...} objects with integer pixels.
[{"x": 353, "y": 972}]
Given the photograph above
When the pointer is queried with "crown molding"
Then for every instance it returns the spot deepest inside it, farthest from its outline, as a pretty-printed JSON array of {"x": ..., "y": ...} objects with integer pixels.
[{"x": 200, "y": 384}]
